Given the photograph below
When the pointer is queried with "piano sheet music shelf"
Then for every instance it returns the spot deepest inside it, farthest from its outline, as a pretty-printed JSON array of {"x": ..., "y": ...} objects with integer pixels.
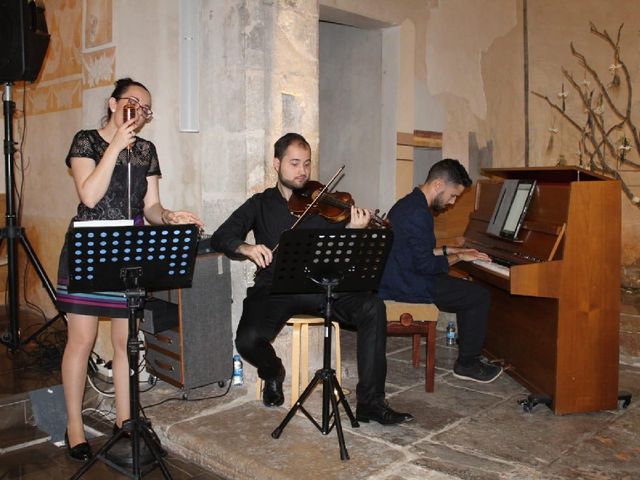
[{"x": 554, "y": 319}]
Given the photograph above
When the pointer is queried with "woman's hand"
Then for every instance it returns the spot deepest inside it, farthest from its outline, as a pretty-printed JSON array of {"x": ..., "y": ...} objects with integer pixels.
[
  {"x": 180, "y": 217},
  {"x": 125, "y": 135}
]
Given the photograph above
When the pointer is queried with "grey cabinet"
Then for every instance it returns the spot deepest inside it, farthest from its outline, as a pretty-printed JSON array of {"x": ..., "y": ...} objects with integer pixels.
[{"x": 198, "y": 350}]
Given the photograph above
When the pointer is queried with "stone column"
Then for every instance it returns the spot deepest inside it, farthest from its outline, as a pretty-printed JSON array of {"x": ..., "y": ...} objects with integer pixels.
[{"x": 259, "y": 80}]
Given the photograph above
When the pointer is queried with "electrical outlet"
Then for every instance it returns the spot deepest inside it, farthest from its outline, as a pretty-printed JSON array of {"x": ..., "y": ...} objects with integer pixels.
[{"x": 106, "y": 374}]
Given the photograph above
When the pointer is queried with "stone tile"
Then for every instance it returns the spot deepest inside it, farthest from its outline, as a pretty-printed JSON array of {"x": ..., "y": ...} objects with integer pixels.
[
  {"x": 12, "y": 414},
  {"x": 628, "y": 420},
  {"x": 432, "y": 412},
  {"x": 504, "y": 386},
  {"x": 414, "y": 472},
  {"x": 400, "y": 343},
  {"x": 630, "y": 345},
  {"x": 460, "y": 464},
  {"x": 612, "y": 453},
  {"x": 402, "y": 374},
  {"x": 20, "y": 435},
  {"x": 629, "y": 300},
  {"x": 630, "y": 323},
  {"x": 629, "y": 380},
  {"x": 198, "y": 403},
  {"x": 505, "y": 433},
  {"x": 237, "y": 442}
]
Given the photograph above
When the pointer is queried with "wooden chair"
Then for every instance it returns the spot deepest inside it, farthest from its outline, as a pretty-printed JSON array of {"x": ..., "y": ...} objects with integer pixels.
[
  {"x": 300, "y": 353},
  {"x": 416, "y": 320}
]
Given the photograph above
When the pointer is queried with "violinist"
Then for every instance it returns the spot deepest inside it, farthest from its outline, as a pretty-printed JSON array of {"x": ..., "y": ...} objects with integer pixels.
[{"x": 263, "y": 316}]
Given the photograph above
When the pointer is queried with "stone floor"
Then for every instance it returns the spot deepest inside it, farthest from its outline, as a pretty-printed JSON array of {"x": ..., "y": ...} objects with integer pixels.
[
  {"x": 462, "y": 430},
  {"x": 25, "y": 453}
]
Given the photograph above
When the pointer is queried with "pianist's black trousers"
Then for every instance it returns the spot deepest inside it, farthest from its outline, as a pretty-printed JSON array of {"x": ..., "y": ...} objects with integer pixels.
[
  {"x": 264, "y": 315},
  {"x": 470, "y": 302}
]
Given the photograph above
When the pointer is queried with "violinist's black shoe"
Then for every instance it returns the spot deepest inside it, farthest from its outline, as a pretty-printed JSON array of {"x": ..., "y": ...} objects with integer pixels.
[
  {"x": 381, "y": 412},
  {"x": 272, "y": 395},
  {"x": 80, "y": 453}
]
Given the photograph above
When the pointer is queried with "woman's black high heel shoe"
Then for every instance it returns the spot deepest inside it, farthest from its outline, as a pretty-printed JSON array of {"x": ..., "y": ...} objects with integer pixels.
[
  {"x": 116, "y": 429},
  {"x": 81, "y": 452},
  {"x": 127, "y": 435}
]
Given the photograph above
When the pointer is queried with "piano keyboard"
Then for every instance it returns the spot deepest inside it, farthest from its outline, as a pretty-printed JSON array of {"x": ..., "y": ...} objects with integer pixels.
[{"x": 493, "y": 267}]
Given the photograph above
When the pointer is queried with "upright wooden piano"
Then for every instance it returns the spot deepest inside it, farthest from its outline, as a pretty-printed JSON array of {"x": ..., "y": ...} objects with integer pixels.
[{"x": 555, "y": 309}]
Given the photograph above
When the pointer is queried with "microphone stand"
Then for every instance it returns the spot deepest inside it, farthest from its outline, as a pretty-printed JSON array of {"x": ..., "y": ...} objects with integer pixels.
[{"x": 129, "y": 182}]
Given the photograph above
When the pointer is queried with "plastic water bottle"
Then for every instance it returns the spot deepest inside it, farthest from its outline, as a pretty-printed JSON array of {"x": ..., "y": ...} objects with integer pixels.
[
  {"x": 237, "y": 371},
  {"x": 451, "y": 333}
]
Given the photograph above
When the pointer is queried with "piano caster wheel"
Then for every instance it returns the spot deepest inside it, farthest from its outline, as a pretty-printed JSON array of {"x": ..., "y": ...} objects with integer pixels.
[
  {"x": 625, "y": 398},
  {"x": 526, "y": 405},
  {"x": 533, "y": 400},
  {"x": 221, "y": 383}
]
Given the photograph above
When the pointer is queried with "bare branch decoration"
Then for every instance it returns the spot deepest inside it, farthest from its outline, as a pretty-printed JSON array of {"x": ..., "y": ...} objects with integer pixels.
[{"x": 608, "y": 136}]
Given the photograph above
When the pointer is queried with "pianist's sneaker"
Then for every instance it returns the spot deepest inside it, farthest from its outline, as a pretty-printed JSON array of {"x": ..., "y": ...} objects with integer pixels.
[{"x": 479, "y": 371}]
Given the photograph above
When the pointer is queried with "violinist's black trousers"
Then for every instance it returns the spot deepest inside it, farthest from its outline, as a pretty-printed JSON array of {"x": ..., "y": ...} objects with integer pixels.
[{"x": 264, "y": 315}]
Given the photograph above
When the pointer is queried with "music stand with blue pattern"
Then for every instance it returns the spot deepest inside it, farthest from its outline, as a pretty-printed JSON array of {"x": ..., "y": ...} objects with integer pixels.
[{"x": 132, "y": 259}]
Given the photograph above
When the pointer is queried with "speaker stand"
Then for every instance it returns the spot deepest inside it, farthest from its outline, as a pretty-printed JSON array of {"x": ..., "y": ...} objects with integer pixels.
[{"x": 14, "y": 234}]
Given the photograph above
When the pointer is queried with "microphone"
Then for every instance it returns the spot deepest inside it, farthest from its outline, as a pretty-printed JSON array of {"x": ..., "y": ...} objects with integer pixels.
[{"x": 128, "y": 112}]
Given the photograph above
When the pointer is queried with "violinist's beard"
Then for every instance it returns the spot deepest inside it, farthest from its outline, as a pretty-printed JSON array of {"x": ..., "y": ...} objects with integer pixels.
[{"x": 292, "y": 184}]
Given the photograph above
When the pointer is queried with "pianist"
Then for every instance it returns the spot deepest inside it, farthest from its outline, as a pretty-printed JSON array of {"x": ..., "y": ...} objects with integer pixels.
[{"x": 417, "y": 271}]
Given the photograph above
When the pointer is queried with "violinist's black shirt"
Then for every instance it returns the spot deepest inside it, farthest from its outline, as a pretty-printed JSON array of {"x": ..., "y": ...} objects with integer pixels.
[{"x": 267, "y": 215}]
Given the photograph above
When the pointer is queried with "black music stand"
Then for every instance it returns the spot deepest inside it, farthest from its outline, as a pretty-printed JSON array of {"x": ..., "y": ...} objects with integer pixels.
[
  {"x": 132, "y": 259},
  {"x": 350, "y": 260}
]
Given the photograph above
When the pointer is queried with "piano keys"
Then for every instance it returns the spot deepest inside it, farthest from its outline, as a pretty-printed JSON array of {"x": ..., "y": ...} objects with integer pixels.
[{"x": 501, "y": 270}]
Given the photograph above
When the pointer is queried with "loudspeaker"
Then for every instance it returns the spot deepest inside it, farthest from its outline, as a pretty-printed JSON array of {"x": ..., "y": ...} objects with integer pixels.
[
  {"x": 24, "y": 39},
  {"x": 199, "y": 351}
]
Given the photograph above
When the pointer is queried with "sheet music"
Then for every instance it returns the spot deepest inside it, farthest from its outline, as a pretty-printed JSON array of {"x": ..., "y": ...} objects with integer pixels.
[
  {"x": 501, "y": 209},
  {"x": 103, "y": 223}
]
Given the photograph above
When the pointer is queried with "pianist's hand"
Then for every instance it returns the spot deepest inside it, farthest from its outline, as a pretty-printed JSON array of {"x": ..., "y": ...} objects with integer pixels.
[{"x": 470, "y": 254}]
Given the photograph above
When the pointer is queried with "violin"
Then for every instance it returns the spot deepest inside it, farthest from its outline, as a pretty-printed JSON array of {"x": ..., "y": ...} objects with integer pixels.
[{"x": 335, "y": 206}]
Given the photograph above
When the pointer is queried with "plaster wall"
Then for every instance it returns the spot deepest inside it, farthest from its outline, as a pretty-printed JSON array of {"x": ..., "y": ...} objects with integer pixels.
[
  {"x": 475, "y": 69},
  {"x": 350, "y": 117}
]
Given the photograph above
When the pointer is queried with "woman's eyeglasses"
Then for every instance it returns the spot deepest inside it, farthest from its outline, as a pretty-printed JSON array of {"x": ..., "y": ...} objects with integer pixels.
[{"x": 146, "y": 111}]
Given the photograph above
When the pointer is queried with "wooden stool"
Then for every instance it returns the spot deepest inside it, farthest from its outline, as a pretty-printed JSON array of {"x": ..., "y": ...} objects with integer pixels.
[
  {"x": 418, "y": 320},
  {"x": 300, "y": 353}
]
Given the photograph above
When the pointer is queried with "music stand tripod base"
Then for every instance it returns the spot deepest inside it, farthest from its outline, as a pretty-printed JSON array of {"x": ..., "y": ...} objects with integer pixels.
[
  {"x": 335, "y": 261},
  {"x": 132, "y": 259}
]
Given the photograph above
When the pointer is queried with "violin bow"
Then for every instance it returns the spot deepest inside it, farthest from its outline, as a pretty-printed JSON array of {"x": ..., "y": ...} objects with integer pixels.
[{"x": 313, "y": 202}]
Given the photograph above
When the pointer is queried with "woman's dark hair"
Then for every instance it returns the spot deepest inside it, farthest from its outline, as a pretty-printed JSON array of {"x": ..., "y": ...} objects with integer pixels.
[
  {"x": 122, "y": 85},
  {"x": 281, "y": 145}
]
